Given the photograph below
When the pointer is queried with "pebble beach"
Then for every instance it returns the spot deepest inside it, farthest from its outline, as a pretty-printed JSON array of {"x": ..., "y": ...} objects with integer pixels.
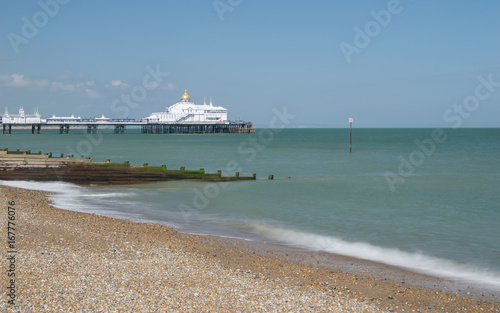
[{"x": 66, "y": 261}]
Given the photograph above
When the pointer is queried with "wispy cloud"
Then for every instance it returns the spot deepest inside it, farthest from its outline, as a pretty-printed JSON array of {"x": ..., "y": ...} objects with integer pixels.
[
  {"x": 119, "y": 83},
  {"x": 63, "y": 86},
  {"x": 18, "y": 80},
  {"x": 168, "y": 86},
  {"x": 85, "y": 88},
  {"x": 14, "y": 80},
  {"x": 42, "y": 83},
  {"x": 92, "y": 94},
  {"x": 150, "y": 84},
  {"x": 71, "y": 87}
]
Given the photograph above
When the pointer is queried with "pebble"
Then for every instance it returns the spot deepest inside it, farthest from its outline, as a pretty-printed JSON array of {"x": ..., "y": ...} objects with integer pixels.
[{"x": 102, "y": 264}]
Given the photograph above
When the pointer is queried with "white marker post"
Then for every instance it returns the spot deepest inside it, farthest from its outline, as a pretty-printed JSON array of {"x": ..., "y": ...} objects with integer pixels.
[{"x": 350, "y": 139}]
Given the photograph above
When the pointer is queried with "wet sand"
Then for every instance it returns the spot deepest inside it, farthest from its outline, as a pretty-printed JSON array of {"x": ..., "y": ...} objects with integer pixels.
[{"x": 77, "y": 262}]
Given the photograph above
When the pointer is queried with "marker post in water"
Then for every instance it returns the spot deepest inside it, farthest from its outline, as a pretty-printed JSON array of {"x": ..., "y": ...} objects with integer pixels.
[{"x": 350, "y": 139}]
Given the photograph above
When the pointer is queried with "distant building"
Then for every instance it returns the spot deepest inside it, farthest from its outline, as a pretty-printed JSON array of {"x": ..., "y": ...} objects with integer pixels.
[
  {"x": 187, "y": 111},
  {"x": 102, "y": 119},
  {"x": 22, "y": 117},
  {"x": 63, "y": 119}
]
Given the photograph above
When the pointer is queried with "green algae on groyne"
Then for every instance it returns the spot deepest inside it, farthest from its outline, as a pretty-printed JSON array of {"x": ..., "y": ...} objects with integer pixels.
[{"x": 24, "y": 165}]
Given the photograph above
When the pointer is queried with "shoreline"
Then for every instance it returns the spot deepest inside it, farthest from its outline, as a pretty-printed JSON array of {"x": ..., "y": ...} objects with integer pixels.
[{"x": 78, "y": 242}]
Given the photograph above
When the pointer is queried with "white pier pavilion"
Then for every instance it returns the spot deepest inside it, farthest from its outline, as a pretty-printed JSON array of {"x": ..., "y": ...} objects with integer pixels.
[
  {"x": 22, "y": 117},
  {"x": 186, "y": 111}
]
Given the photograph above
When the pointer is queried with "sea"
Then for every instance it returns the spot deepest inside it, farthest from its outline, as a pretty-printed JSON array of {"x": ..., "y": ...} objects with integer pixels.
[{"x": 427, "y": 200}]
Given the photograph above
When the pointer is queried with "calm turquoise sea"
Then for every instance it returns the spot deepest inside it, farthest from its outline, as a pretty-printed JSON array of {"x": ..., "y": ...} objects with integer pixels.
[{"x": 424, "y": 199}]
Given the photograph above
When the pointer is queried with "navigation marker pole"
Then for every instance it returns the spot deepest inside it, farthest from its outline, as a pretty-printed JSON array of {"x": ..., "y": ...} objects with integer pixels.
[{"x": 350, "y": 139}]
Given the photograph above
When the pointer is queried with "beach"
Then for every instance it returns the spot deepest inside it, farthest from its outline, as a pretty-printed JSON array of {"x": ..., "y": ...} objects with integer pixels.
[{"x": 69, "y": 261}]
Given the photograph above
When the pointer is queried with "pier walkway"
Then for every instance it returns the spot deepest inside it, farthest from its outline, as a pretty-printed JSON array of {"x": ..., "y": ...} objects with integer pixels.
[{"x": 146, "y": 128}]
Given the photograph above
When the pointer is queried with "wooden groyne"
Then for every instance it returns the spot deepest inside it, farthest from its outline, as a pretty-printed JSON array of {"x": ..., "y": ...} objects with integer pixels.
[{"x": 24, "y": 165}]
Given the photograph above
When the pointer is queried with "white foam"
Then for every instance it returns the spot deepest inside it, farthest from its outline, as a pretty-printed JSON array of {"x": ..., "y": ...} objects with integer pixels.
[
  {"x": 65, "y": 195},
  {"x": 43, "y": 186},
  {"x": 417, "y": 262},
  {"x": 72, "y": 197},
  {"x": 107, "y": 195}
]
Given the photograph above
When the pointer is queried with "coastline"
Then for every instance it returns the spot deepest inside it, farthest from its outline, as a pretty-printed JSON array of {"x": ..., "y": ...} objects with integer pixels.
[{"x": 80, "y": 261}]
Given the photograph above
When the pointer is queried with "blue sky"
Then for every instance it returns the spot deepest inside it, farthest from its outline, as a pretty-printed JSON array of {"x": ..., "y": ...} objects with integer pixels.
[{"x": 422, "y": 58}]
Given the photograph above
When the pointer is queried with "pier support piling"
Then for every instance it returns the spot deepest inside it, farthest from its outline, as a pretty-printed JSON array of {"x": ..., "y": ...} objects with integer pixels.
[
  {"x": 36, "y": 129},
  {"x": 91, "y": 129},
  {"x": 64, "y": 129},
  {"x": 120, "y": 129}
]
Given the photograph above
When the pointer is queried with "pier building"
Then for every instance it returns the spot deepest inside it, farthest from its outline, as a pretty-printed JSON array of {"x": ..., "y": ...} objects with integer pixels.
[
  {"x": 22, "y": 117},
  {"x": 63, "y": 119},
  {"x": 187, "y": 111}
]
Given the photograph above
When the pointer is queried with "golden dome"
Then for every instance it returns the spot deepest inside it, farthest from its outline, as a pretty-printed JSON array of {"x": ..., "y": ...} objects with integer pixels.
[{"x": 185, "y": 95}]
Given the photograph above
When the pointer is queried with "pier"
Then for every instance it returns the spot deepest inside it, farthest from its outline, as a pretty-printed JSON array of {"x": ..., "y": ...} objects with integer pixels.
[
  {"x": 120, "y": 127},
  {"x": 184, "y": 117}
]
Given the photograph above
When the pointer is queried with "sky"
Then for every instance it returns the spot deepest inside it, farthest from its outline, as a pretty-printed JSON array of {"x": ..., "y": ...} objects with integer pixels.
[{"x": 385, "y": 63}]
